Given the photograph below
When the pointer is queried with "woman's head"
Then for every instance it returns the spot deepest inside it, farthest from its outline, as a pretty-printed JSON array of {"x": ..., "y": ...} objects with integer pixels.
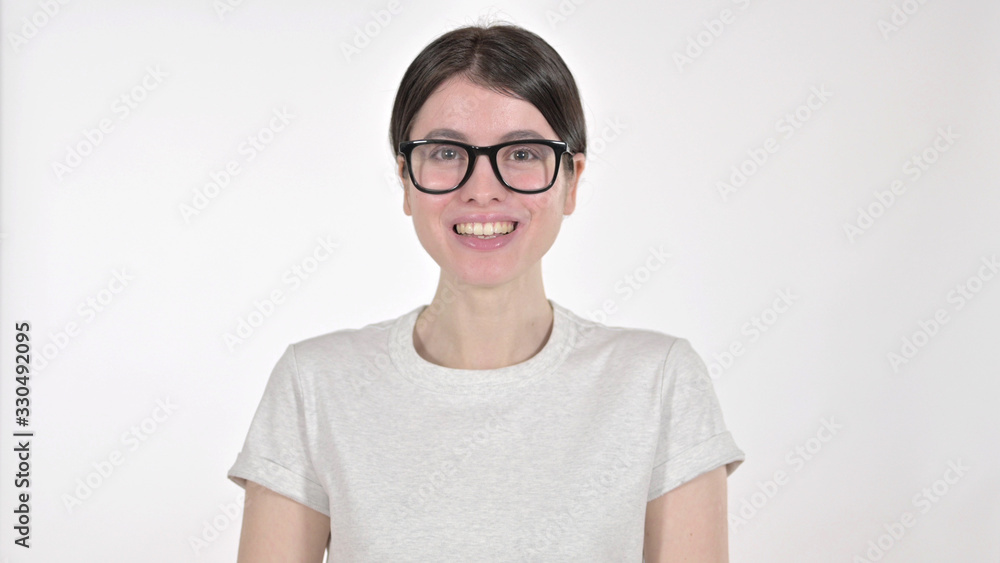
[
  {"x": 485, "y": 86},
  {"x": 505, "y": 58}
]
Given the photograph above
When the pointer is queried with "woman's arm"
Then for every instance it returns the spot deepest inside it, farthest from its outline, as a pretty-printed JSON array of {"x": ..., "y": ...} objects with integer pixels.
[
  {"x": 689, "y": 523},
  {"x": 276, "y": 528}
]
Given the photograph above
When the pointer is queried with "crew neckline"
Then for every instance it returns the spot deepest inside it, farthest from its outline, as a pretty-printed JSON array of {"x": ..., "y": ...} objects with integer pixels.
[{"x": 443, "y": 379}]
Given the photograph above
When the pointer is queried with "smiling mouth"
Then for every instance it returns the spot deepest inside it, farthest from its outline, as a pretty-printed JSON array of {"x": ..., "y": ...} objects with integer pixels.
[{"x": 485, "y": 230}]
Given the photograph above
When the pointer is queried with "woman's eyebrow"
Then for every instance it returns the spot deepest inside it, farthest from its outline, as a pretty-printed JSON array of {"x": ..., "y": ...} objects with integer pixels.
[
  {"x": 521, "y": 134},
  {"x": 445, "y": 134},
  {"x": 511, "y": 136}
]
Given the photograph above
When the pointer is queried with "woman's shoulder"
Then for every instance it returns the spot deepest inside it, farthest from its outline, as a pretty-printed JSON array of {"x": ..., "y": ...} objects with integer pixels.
[
  {"x": 599, "y": 332},
  {"x": 365, "y": 342}
]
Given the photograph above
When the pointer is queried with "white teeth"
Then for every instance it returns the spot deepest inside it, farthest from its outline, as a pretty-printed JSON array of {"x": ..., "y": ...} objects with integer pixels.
[{"x": 485, "y": 230}]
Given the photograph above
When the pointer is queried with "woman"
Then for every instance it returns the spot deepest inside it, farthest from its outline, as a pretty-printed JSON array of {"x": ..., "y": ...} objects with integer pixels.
[{"x": 493, "y": 424}]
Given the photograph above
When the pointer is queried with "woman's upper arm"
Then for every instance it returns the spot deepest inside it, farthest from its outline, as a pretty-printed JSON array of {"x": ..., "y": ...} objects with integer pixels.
[
  {"x": 276, "y": 528},
  {"x": 689, "y": 523}
]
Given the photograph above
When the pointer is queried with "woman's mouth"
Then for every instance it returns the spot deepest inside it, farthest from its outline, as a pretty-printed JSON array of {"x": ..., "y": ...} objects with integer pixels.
[{"x": 485, "y": 230}]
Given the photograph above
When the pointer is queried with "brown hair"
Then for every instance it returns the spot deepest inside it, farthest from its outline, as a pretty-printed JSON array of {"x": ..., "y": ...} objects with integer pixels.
[{"x": 506, "y": 58}]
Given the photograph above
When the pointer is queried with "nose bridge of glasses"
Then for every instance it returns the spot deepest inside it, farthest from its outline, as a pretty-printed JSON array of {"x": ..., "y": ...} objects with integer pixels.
[{"x": 489, "y": 153}]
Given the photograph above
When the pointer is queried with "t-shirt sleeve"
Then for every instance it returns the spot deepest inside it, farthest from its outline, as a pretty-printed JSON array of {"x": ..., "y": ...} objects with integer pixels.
[
  {"x": 276, "y": 453},
  {"x": 693, "y": 438}
]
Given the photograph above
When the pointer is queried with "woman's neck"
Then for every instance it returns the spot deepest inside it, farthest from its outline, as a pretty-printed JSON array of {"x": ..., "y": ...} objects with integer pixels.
[{"x": 468, "y": 327}]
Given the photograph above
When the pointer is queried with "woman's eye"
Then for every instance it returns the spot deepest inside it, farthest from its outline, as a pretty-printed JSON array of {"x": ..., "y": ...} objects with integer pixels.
[
  {"x": 522, "y": 154},
  {"x": 446, "y": 153}
]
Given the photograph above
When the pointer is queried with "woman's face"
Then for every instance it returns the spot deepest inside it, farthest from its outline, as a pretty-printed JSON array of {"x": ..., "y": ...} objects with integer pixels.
[{"x": 466, "y": 112}]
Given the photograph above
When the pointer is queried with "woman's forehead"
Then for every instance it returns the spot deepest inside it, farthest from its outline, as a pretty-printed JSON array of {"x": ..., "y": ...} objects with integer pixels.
[{"x": 469, "y": 112}]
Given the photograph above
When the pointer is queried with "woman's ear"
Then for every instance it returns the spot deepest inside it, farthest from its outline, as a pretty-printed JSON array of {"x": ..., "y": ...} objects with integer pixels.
[
  {"x": 569, "y": 203},
  {"x": 401, "y": 171}
]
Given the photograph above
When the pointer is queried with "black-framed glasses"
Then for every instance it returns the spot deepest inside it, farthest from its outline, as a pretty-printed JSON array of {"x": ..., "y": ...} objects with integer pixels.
[{"x": 439, "y": 166}]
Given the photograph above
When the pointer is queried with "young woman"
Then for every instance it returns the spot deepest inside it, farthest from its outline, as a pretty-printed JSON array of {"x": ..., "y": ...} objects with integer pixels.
[{"x": 492, "y": 424}]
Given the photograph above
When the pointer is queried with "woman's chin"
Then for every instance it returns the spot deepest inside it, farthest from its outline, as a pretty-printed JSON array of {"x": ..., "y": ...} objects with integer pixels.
[{"x": 486, "y": 274}]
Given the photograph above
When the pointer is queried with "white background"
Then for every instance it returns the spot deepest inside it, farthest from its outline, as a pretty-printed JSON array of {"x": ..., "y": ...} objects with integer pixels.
[{"x": 663, "y": 133}]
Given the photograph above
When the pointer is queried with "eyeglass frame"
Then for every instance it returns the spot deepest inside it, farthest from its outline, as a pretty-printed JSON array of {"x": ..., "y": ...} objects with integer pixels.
[{"x": 406, "y": 149}]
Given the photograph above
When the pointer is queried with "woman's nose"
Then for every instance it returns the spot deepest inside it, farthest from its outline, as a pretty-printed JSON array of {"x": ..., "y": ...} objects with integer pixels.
[{"x": 483, "y": 186}]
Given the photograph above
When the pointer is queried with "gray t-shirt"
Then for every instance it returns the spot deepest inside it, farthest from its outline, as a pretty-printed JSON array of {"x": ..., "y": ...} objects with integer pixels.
[{"x": 552, "y": 459}]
